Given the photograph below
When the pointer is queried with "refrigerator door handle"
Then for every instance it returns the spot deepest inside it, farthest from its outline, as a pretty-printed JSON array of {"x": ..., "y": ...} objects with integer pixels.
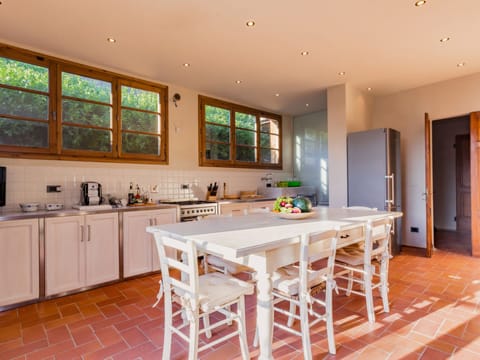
[{"x": 390, "y": 189}]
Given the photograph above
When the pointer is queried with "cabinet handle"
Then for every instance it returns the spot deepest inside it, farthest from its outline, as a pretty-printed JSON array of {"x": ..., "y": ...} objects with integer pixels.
[
  {"x": 155, "y": 222},
  {"x": 88, "y": 237},
  {"x": 81, "y": 233},
  {"x": 150, "y": 222},
  {"x": 344, "y": 236}
]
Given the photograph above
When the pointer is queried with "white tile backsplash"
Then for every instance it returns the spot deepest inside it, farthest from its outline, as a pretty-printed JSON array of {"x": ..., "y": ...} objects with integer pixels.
[{"x": 27, "y": 180}]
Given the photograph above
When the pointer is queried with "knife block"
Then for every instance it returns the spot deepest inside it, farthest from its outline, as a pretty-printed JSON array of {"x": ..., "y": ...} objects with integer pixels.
[{"x": 211, "y": 197}]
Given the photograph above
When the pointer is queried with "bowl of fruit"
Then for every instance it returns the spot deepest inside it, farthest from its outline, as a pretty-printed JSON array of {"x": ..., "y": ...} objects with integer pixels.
[{"x": 293, "y": 208}]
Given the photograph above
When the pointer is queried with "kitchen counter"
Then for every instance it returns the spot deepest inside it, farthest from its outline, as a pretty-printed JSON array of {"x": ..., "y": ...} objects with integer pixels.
[
  {"x": 232, "y": 201},
  {"x": 14, "y": 214}
]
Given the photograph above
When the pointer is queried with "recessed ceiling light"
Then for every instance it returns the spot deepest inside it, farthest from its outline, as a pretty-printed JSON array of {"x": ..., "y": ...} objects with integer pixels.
[
  {"x": 304, "y": 53},
  {"x": 277, "y": 94},
  {"x": 307, "y": 105},
  {"x": 420, "y": 2},
  {"x": 186, "y": 65},
  {"x": 250, "y": 23},
  {"x": 341, "y": 73},
  {"x": 111, "y": 40},
  {"x": 445, "y": 39},
  {"x": 238, "y": 81},
  {"x": 462, "y": 64},
  {"x": 369, "y": 89}
]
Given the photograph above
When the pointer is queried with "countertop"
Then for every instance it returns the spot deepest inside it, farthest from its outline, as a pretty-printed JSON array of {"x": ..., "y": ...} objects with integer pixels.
[{"x": 13, "y": 214}]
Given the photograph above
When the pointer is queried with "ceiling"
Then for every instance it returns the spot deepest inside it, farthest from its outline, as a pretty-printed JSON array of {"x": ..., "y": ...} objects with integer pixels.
[{"x": 389, "y": 45}]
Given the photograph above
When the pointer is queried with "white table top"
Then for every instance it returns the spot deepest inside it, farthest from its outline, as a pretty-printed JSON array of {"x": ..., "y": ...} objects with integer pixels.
[{"x": 239, "y": 236}]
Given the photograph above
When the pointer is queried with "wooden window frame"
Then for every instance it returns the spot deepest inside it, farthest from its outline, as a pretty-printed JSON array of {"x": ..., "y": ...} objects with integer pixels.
[
  {"x": 55, "y": 151},
  {"x": 232, "y": 162}
]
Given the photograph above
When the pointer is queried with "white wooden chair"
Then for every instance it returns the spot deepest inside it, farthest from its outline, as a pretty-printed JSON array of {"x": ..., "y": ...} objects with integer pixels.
[
  {"x": 198, "y": 297},
  {"x": 299, "y": 285},
  {"x": 358, "y": 265}
]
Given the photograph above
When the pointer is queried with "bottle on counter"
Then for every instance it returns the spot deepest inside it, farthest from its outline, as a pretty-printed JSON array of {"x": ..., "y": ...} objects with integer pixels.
[{"x": 131, "y": 195}]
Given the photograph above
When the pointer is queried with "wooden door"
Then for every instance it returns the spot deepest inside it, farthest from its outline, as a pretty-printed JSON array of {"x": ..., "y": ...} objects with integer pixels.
[
  {"x": 474, "y": 176},
  {"x": 462, "y": 170},
  {"x": 428, "y": 187}
]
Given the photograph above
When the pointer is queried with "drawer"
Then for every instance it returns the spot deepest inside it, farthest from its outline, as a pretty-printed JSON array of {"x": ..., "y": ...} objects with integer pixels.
[{"x": 351, "y": 235}]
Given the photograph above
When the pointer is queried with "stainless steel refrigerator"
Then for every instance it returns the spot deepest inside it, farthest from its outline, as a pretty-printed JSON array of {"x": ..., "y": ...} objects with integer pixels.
[{"x": 374, "y": 177}]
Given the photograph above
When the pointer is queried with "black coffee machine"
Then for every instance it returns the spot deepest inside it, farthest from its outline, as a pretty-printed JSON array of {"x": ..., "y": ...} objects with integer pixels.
[{"x": 91, "y": 193}]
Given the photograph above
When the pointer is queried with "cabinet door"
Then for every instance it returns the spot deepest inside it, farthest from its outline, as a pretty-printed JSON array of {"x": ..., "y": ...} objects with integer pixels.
[
  {"x": 102, "y": 251},
  {"x": 137, "y": 243},
  {"x": 64, "y": 254},
  {"x": 161, "y": 217},
  {"x": 233, "y": 209},
  {"x": 262, "y": 205},
  {"x": 19, "y": 261}
]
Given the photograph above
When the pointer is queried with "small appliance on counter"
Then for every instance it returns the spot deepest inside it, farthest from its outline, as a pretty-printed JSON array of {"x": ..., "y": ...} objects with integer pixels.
[{"x": 90, "y": 193}]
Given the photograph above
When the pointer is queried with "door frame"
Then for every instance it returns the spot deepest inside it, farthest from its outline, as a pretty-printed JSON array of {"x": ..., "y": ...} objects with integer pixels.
[{"x": 428, "y": 187}]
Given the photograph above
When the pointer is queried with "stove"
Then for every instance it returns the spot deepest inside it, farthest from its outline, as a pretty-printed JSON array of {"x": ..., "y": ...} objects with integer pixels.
[{"x": 191, "y": 210}]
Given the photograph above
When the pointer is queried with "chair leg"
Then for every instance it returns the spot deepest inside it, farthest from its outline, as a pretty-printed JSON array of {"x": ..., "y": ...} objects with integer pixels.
[
  {"x": 242, "y": 328},
  {"x": 350, "y": 283},
  {"x": 292, "y": 310},
  {"x": 304, "y": 325},
  {"x": 206, "y": 324},
  {"x": 384, "y": 285},
  {"x": 167, "y": 335},
  {"x": 329, "y": 318},
  {"x": 367, "y": 277},
  {"x": 193, "y": 344}
]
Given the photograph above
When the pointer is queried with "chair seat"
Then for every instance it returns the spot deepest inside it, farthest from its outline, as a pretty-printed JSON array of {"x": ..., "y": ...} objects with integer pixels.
[
  {"x": 217, "y": 289},
  {"x": 229, "y": 266},
  {"x": 353, "y": 257},
  {"x": 287, "y": 279}
]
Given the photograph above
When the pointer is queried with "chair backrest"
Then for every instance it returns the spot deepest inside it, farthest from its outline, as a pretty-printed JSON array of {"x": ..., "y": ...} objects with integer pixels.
[
  {"x": 313, "y": 247},
  {"x": 377, "y": 240},
  {"x": 186, "y": 285}
]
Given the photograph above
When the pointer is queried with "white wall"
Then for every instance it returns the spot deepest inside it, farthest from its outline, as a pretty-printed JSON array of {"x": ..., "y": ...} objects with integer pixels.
[
  {"x": 359, "y": 108},
  {"x": 404, "y": 111},
  {"x": 337, "y": 146}
]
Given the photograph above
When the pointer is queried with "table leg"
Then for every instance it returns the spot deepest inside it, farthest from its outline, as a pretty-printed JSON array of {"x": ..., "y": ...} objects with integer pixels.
[{"x": 265, "y": 315}]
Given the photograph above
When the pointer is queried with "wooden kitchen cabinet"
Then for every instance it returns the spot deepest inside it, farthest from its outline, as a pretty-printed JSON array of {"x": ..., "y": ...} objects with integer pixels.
[
  {"x": 140, "y": 254},
  {"x": 80, "y": 251},
  {"x": 19, "y": 261}
]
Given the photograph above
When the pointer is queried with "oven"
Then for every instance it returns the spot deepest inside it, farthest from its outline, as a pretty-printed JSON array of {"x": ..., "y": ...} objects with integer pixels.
[{"x": 191, "y": 210}]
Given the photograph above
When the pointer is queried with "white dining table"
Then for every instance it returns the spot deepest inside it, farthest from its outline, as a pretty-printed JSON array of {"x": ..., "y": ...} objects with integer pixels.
[{"x": 264, "y": 242}]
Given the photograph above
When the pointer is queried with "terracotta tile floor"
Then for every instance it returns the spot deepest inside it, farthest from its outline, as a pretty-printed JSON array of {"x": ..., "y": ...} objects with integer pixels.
[{"x": 434, "y": 314}]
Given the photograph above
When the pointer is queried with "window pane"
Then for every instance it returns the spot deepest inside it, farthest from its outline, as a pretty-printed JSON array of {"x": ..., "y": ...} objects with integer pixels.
[
  {"x": 75, "y": 138},
  {"x": 140, "y": 121},
  {"x": 269, "y": 156},
  {"x": 246, "y": 153},
  {"x": 217, "y": 133},
  {"x": 245, "y": 121},
  {"x": 140, "y": 99},
  {"x": 28, "y": 76},
  {"x": 140, "y": 144},
  {"x": 217, "y": 152},
  {"x": 269, "y": 125},
  {"x": 83, "y": 87},
  {"x": 267, "y": 140},
  {"x": 217, "y": 115},
  {"x": 23, "y": 133},
  {"x": 79, "y": 112},
  {"x": 245, "y": 137},
  {"x": 22, "y": 103}
]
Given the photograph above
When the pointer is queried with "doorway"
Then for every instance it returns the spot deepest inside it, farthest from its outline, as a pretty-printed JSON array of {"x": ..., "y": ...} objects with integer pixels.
[{"x": 451, "y": 184}]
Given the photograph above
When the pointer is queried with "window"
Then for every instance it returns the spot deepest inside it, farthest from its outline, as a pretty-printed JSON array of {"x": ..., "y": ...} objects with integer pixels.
[
  {"x": 236, "y": 136},
  {"x": 96, "y": 114},
  {"x": 24, "y": 105}
]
